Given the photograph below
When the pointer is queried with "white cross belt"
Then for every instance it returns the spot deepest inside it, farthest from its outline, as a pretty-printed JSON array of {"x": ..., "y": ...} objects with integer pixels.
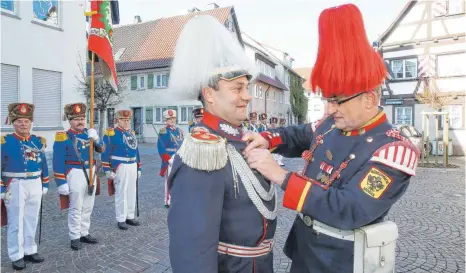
[{"x": 246, "y": 251}]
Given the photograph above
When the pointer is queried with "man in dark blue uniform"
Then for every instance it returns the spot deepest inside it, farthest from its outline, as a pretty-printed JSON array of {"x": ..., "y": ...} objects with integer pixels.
[
  {"x": 70, "y": 159},
  {"x": 222, "y": 216},
  {"x": 122, "y": 165},
  {"x": 251, "y": 125},
  {"x": 357, "y": 165},
  {"x": 169, "y": 141},
  {"x": 25, "y": 178},
  {"x": 262, "y": 126},
  {"x": 198, "y": 113}
]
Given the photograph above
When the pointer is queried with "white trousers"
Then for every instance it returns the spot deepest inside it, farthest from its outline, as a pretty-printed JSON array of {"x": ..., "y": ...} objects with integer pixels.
[
  {"x": 125, "y": 191},
  {"x": 81, "y": 203},
  {"x": 23, "y": 207}
]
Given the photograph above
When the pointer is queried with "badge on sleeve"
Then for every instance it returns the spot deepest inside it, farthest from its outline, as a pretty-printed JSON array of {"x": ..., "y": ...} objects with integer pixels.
[{"x": 375, "y": 183}]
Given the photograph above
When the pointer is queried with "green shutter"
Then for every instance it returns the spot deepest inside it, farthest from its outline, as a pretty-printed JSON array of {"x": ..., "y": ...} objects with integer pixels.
[
  {"x": 134, "y": 82},
  {"x": 150, "y": 81}
]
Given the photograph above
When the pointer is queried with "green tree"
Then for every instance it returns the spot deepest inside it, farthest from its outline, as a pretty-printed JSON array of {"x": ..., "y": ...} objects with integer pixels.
[{"x": 297, "y": 99}]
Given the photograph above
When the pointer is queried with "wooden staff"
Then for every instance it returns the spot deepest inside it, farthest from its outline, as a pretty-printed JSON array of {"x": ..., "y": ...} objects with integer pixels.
[{"x": 91, "y": 118}]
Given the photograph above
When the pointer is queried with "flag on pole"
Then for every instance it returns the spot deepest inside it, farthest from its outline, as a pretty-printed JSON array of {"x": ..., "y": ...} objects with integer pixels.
[{"x": 100, "y": 39}]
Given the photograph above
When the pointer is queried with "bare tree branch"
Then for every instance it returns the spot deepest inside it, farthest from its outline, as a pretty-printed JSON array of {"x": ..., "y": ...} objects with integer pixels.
[{"x": 432, "y": 95}]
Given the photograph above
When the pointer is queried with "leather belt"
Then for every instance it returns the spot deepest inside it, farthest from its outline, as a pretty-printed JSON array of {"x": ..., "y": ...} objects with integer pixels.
[
  {"x": 21, "y": 175},
  {"x": 319, "y": 227},
  {"x": 125, "y": 159},
  {"x": 246, "y": 251}
]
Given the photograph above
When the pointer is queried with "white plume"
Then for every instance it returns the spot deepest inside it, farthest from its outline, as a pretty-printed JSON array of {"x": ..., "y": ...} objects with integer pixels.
[{"x": 204, "y": 46}]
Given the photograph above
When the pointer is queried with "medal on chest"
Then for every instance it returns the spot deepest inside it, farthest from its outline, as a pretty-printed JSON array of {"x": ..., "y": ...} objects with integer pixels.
[{"x": 130, "y": 140}]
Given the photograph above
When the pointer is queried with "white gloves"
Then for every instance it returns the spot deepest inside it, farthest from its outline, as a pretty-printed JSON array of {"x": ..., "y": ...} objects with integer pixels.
[
  {"x": 44, "y": 191},
  {"x": 139, "y": 174},
  {"x": 64, "y": 189},
  {"x": 92, "y": 133},
  {"x": 3, "y": 196},
  {"x": 111, "y": 175}
]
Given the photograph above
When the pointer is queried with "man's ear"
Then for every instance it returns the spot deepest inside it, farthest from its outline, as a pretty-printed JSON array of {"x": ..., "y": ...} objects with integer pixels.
[
  {"x": 208, "y": 94},
  {"x": 370, "y": 99}
]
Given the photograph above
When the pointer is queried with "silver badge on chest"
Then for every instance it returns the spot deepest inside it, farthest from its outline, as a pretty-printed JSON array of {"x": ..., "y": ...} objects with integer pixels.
[{"x": 130, "y": 140}]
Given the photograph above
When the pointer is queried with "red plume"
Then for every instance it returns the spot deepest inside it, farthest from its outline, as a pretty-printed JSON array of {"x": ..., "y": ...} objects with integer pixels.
[{"x": 346, "y": 62}]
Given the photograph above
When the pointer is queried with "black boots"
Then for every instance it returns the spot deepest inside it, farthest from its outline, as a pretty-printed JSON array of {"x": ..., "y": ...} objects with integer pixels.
[
  {"x": 34, "y": 258},
  {"x": 88, "y": 239},
  {"x": 19, "y": 264},
  {"x": 132, "y": 222}
]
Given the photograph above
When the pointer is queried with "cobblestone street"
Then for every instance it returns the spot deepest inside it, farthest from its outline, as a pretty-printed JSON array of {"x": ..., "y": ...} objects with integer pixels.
[{"x": 430, "y": 218}]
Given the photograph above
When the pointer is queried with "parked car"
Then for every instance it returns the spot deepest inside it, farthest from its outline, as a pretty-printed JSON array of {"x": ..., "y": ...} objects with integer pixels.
[{"x": 415, "y": 137}]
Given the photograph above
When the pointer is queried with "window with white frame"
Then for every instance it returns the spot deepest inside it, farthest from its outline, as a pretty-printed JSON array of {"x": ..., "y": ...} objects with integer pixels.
[
  {"x": 265, "y": 69},
  {"x": 261, "y": 93},
  {"x": 267, "y": 95},
  {"x": 149, "y": 115},
  {"x": 9, "y": 6},
  {"x": 158, "y": 118},
  {"x": 161, "y": 80},
  {"x": 274, "y": 95},
  {"x": 287, "y": 97},
  {"x": 287, "y": 79},
  {"x": 141, "y": 82},
  {"x": 451, "y": 65},
  {"x": 455, "y": 116},
  {"x": 404, "y": 68},
  {"x": 456, "y": 7},
  {"x": 404, "y": 115},
  {"x": 256, "y": 91},
  {"x": 47, "y": 97},
  {"x": 186, "y": 114},
  {"x": 46, "y": 11},
  {"x": 10, "y": 89}
]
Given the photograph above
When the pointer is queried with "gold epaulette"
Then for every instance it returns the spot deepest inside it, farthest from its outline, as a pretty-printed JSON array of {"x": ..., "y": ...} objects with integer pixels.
[
  {"x": 191, "y": 123},
  {"x": 163, "y": 130},
  {"x": 203, "y": 151},
  {"x": 3, "y": 140},
  {"x": 43, "y": 140},
  {"x": 110, "y": 132},
  {"x": 61, "y": 136},
  {"x": 134, "y": 132}
]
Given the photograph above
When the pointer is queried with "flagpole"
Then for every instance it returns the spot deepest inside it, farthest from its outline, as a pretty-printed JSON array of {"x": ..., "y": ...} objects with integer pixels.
[{"x": 91, "y": 118}]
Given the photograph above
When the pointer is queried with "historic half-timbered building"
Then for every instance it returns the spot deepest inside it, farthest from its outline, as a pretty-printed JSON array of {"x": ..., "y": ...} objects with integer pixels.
[{"x": 425, "y": 46}]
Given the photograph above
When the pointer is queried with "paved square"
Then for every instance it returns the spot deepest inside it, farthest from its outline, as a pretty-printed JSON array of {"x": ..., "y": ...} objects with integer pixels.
[{"x": 430, "y": 218}]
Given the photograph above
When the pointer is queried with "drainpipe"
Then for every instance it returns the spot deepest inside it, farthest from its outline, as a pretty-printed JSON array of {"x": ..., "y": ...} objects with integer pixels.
[{"x": 265, "y": 93}]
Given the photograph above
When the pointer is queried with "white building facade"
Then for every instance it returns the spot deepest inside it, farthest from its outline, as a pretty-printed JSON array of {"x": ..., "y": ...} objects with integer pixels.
[
  {"x": 425, "y": 42},
  {"x": 42, "y": 43}
]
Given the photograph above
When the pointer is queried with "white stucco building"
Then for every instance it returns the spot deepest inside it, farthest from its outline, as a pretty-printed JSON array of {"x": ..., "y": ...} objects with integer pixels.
[{"x": 41, "y": 45}]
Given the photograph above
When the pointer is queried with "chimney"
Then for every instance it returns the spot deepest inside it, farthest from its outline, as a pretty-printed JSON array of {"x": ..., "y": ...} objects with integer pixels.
[
  {"x": 137, "y": 19},
  {"x": 194, "y": 9},
  {"x": 213, "y": 6}
]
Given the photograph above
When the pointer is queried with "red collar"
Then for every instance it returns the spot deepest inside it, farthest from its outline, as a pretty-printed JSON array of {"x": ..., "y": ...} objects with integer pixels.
[
  {"x": 371, "y": 124},
  {"x": 214, "y": 123},
  {"x": 20, "y": 138},
  {"x": 76, "y": 132},
  {"x": 121, "y": 129}
]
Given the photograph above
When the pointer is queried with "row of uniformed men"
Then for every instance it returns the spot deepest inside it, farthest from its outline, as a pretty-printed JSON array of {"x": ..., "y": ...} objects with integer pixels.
[
  {"x": 260, "y": 126},
  {"x": 25, "y": 177}
]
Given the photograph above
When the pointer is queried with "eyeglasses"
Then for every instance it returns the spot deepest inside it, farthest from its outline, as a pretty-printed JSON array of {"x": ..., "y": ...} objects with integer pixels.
[{"x": 335, "y": 102}]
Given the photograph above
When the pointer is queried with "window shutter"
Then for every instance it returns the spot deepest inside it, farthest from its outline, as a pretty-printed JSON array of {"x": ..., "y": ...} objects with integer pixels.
[
  {"x": 10, "y": 92},
  {"x": 150, "y": 81},
  {"x": 134, "y": 82},
  {"x": 46, "y": 95}
]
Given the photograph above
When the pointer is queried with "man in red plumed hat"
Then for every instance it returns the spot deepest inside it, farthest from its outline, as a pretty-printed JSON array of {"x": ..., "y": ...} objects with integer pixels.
[{"x": 356, "y": 165}]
